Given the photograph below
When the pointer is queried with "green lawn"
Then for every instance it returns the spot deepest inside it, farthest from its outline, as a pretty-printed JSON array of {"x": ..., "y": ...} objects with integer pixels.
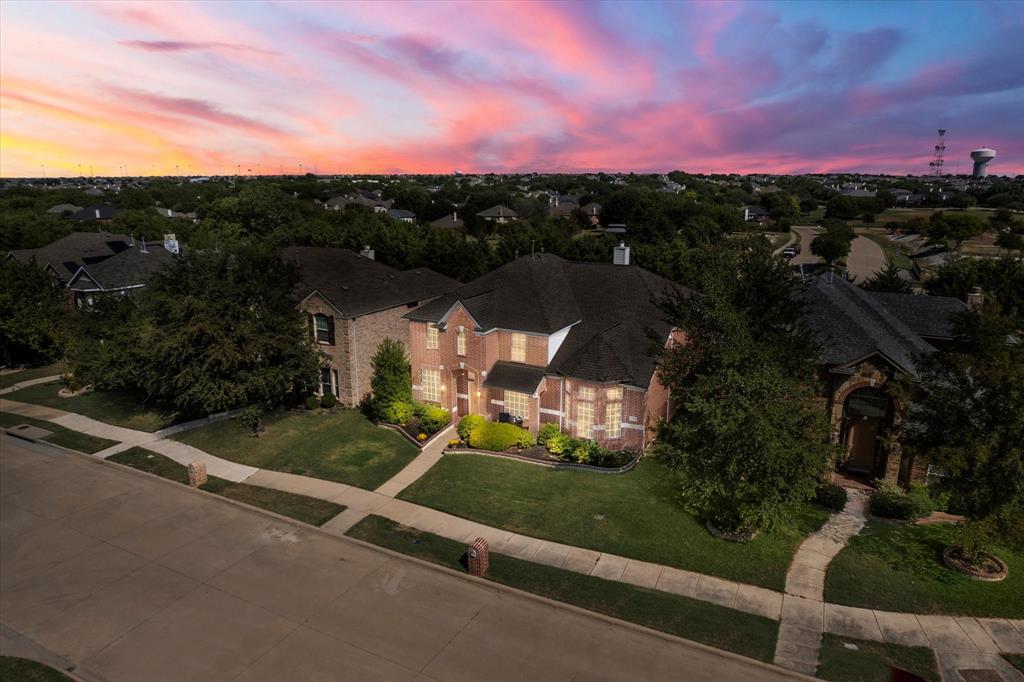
[
  {"x": 300, "y": 507},
  {"x": 634, "y": 515},
  {"x": 337, "y": 445},
  {"x": 1016, "y": 660},
  {"x": 699, "y": 621},
  {"x": 871, "y": 661},
  {"x": 65, "y": 438},
  {"x": 892, "y": 252},
  {"x": 24, "y": 670},
  {"x": 29, "y": 373},
  {"x": 112, "y": 407},
  {"x": 899, "y": 568}
]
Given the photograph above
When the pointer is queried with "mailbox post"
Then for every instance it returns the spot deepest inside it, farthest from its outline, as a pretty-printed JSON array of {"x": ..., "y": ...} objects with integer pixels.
[{"x": 479, "y": 557}]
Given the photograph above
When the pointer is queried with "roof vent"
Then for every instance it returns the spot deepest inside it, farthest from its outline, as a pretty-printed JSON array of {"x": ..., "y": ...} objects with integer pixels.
[
  {"x": 367, "y": 252},
  {"x": 621, "y": 254}
]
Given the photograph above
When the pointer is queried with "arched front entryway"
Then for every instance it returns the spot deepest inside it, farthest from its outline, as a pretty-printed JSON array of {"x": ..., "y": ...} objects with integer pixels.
[
  {"x": 467, "y": 389},
  {"x": 866, "y": 415}
]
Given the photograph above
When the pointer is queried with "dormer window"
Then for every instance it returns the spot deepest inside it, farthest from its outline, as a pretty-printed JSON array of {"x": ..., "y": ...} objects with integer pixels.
[
  {"x": 323, "y": 327},
  {"x": 432, "y": 338}
]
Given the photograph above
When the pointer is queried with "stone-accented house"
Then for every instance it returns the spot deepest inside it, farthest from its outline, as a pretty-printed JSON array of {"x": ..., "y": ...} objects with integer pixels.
[
  {"x": 122, "y": 274},
  {"x": 65, "y": 256},
  {"x": 544, "y": 340},
  {"x": 353, "y": 302},
  {"x": 869, "y": 338}
]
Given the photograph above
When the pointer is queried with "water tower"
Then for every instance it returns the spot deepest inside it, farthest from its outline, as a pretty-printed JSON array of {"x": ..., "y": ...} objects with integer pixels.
[{"x": 981, "y": 158}]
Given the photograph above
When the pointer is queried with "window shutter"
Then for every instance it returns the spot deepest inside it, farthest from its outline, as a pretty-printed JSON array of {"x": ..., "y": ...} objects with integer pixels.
[
  {"x": 312, "y": 325},
  {"x": 330, "y": 329}
]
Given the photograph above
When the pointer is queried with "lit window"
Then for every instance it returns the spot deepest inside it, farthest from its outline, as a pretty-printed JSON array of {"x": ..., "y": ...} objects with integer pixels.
[
  {"x": 517, "y": 404},
  {"x": 323, "y": 325},
  {"x": 614, "y": 394},
  {"x": 432, "y": 342},
  {"x": 432, "y": 385},
  {"x": 613, "y": 420},
  {"x": 518, "y": 347},
  {"x": 460, "y": 342},
  {"x": 584, "y": 419},
  {"x": 585, "y": 393}
]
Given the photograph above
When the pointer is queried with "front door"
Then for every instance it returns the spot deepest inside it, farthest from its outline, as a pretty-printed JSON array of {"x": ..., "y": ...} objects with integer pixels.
[
  {"x": 864, "y": 434},
  {"x": 866, "y": 413}
]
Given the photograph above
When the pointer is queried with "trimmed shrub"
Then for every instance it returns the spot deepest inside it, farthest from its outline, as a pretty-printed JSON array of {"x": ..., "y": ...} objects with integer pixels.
[
  {"x": 921, "y": 500},
  {"x": 830, "y": 496},
  {"x": 547, "y": 431},
  {"x": 890, "y": 502},
  {"x": 559, "y": 443},
  {"x": 328, "y": 400},
  {"x": 498, "y": 437},
  {"x": 397, "y": 412},
  {"x": 251, "y": 418},
  {"x": 469, "y": 424},
  {"x": 433, "y": 419},
  {"x": 312, "y": 402}
]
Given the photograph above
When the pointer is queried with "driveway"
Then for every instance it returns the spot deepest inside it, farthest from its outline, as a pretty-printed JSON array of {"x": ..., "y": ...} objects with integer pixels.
[{"x": 126, "y": 577}]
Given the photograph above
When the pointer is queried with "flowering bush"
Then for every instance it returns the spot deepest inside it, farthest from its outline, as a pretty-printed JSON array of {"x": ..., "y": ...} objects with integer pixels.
[
  {"x": 454, "y": 442},
  {"x": 422, "y": 437}
]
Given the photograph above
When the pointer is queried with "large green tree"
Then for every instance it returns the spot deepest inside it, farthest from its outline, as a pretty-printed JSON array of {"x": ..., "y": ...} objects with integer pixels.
[
  {"x": 32, "y": 313},
  {"x": 967, "y": 417},
  {"x": 832, "y": 245},
  {"x": 747, "y": 434},
  {"x": 953, "y": 226}
]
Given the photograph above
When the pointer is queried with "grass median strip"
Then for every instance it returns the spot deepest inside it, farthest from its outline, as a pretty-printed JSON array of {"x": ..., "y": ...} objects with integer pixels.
[
  {"x": 695, "y": 620},
  {"x": 15, "y": 669},
  {"x": 608, "y": 513},
  {"x": 66, "y": 438},
  {"x": 309, "y": 510},
  {"x": 843, "y": 659},
  {"x": 898, "y": 567}
]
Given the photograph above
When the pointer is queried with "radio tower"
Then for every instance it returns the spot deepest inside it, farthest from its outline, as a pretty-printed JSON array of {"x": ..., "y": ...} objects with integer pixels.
[{"x": 935, "y": 165}]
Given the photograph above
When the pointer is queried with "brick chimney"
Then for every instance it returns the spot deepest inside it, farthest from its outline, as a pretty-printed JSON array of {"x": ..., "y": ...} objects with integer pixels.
[{"x": 976, "y": 298}]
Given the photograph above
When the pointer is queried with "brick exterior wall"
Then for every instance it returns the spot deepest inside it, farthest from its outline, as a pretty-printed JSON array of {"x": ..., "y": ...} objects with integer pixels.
[{"x": 355, "y": 342}]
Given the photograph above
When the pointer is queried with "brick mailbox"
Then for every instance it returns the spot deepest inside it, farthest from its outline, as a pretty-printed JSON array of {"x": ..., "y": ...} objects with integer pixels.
[
  {"x": 479, "y": 557},
  {"x": 196, "y": 474}
]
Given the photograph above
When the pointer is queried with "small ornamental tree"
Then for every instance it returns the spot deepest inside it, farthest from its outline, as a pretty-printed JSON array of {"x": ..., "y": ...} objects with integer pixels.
[
  {"x": 391, "y": 382},
  {"x": 832, "y": 245},
  {"x": 967, "y": 417},
  {"x": 888, "y": 281}
]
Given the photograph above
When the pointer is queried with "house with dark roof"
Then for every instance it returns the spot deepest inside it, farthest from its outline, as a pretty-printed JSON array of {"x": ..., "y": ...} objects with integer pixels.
[
  {"x": 498, "y": 214},
  {"x": 102, "y": 212},
  {"x": 544, "y": 340},
  {"x": 448, "y": 222},
  {"x": 352, "y": 302},
  {"x": 867, "y": 340},
  {"x": 402, "y": 214},
  {"x": 67, "y": 255},
  {"x": 64, "y": 209},
  {"x": 122, "y": 274}
]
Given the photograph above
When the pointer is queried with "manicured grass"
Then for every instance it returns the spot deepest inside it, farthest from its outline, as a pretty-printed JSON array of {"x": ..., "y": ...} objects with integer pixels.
[
  {"x": 871, "y": 661},
  {"x": 1016, "y": 660},
  {"x": 336, "y": 445},
  {"x": 699, "y": 621},
  {"x": 112, "y": 407},
  {"x": 29, "y": 373},
  {"x": 892, "y": 252},
  {"x": 635, "y": 515},
  {"x": 299, "y": 507},
  {"x": 899, "y": 568},
  {"x": 61, "y": 436},
  {"x": 14, "y": 669}
]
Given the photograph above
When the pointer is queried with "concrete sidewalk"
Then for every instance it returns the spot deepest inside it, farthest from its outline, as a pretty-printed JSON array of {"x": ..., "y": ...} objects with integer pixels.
[
  {"x": 29, "y": 382},
  {"x": 127, "y": 577}
]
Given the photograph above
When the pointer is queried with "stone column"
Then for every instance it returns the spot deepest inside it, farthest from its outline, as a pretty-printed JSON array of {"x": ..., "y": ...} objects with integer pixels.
[{"x": 196, "y": 474}]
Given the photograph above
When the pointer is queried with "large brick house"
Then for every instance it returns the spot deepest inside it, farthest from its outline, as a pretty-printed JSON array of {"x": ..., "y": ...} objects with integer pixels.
[
  {"x": 868, "y": 339},
  {"x": 544, "y": 340},
  {"x": 352, "y": 302}
]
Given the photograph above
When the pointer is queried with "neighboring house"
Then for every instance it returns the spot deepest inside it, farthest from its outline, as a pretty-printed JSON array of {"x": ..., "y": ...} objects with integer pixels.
[
  {"x": 448, "y": 222},
  {"x": 124, "y": 273},
  {"x": 168, "y": 213},
  {"x": 498, "y": 214},
  {"x": 402, "y": 215},
  {"x": 756, "y": 214},
  {"x": 593, "y": 211},
  {"x": 64, "y": 209},
  {"x": 337, "y": 203},
  {"x": 562, "y": 209},
  {"x": 868, "y": 339},
  {"x": 96, "y": 212},
  {"x": 67, "y": 255},
  {"x": 544, "y": 340},
  {"x": 353, "y": 302},
  {"x": 857, "y": 193}
]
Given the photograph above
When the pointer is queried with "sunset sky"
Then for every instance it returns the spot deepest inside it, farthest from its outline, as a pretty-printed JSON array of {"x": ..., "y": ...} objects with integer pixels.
[{"x": 489, "y": 86}]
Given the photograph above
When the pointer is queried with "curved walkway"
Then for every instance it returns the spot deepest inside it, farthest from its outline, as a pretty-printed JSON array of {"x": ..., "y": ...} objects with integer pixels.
[{"x": 959, "y": 639}]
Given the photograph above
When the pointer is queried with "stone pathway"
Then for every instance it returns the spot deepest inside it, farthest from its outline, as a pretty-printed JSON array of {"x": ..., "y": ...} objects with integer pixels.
[
  {"x": 959, "y": 642},
  {"x": 804, "y": 613}
]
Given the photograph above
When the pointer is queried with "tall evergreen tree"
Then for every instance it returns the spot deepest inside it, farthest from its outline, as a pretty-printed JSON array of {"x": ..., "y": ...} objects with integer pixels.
[{"x": 888, "y": 281}]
